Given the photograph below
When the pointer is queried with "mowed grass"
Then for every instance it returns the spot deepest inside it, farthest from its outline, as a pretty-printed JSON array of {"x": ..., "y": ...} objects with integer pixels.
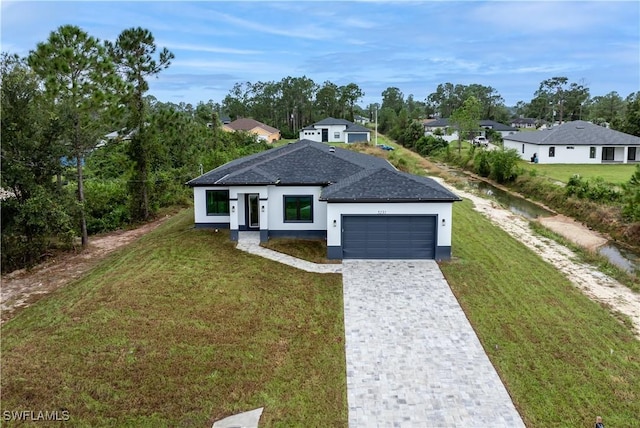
[
  {"x": 564, "y": 358},
  {"x": 611, "y": 173},
  {"x": 313, "y": 250},
  {"x": 182, "y": 329}
]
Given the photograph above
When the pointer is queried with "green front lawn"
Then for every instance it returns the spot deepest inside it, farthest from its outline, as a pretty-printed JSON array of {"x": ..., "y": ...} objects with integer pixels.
[
  {"x": 563, "y": 357},
  {"x": 182, "y": 329},
  {"x": 616, "y": 174}
]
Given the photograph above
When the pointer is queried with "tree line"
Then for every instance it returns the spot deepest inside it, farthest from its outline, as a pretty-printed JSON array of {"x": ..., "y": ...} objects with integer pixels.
[{"x": 62, "y": 178}]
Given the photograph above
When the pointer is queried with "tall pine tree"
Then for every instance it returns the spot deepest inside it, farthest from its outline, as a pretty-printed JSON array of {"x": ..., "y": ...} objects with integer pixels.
[
  {"x": 77, "y": 75},
  {"x": 134, "y": 52}
]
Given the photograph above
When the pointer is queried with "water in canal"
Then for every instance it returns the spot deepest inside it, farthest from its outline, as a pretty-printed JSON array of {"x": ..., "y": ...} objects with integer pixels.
[{"x": 620, "y": 257}]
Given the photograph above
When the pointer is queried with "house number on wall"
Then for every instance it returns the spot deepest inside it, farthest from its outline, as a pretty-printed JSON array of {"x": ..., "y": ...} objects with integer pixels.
[{"x": 382, "y": 212}]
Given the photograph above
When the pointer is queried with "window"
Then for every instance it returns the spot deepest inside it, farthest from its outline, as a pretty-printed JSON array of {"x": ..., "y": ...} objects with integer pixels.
[
  {"x": 552, "y": 152},
  {"x": 336, "y": 135},
  {"x": 631, "y": 154},
  {"x": 592, "y": 152},
  {"x": 298, "y": 209},
  {"x": 608, "y": 153},
  {"x": 217, "y": 202}
]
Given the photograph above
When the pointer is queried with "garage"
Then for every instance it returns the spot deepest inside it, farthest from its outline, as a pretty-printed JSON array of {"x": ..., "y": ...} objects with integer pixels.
[
  {"x": 389, "y": 236},
  {"x": 357, "y": 137}
]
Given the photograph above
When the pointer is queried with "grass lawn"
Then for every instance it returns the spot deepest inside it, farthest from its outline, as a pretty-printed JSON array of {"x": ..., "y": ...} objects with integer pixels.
[
  {"x": 616, "y": 174},
  {"x": 564, "y": 358},
  {"x": 181, "y": 329},
  {"x": 313, "y": 250}
]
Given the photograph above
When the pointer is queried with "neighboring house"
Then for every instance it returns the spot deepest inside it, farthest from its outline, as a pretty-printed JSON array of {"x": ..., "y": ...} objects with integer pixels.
[
  {"x": 360, "y": 204},
  {"x": 525, "y": 122},
  {"x": 450, "y": 134},
  {"x": 501, "y": 128},
  {"x": 576, "y": 142},
  {"x": 331, "y": 130},
  {"x": 360, "y": 120},
  {"x": 264, "y": 132}
]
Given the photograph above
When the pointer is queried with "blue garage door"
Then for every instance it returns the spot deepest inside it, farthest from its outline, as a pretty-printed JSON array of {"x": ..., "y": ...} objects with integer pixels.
[
  {"x": 356, "y": 137},
  {"x": 388, "y": 237}
]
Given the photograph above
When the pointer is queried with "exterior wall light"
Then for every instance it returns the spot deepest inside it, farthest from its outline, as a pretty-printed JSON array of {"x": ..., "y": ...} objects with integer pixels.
[
  {"x": 334, "y": 223},
  {"x": 262, "y": 208},
  {"x": 444, "y": 222},
  {"x": 233, "y": 208}
]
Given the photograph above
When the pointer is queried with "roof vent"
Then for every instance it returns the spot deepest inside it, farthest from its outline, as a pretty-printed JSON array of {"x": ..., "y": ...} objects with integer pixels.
[
  {"x": 332, "y": 149},
  {"x": 579, "y": 127}
]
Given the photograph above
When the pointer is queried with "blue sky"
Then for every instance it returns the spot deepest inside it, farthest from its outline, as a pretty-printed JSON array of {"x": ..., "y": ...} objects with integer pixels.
[{"x": 510, "y": 46}]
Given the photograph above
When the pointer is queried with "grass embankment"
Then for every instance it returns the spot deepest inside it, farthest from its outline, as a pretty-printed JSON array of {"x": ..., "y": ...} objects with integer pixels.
[
  {"x": 181, "y": 329},
  {"x": 615, "y": 174},
  {"x": 563, "y": 357}
]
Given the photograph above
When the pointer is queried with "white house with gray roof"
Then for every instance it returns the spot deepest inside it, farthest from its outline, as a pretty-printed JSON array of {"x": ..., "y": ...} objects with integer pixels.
[
  {"x": 360, "y": 204},
  {"x": 577, "y": 142},
  {"x": 331, "y": 130},
  {"x": 451, "y": 134}
]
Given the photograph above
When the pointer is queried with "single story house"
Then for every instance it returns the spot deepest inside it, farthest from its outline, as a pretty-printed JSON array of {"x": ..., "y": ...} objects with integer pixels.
[
  {"x": 361, "y": 205},
  {"x": 576, "y": 142},
  {"x": 264, "y": 132},
  {"x": 360, "y": 119},
  {"x": 525, "y": 122},
  {"x": 331, "y": 130},
  {"x": 450, "y": 134}
]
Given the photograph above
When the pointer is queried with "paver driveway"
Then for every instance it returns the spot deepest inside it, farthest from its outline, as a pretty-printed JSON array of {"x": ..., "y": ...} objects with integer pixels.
[{"x": 413, "y": 359}]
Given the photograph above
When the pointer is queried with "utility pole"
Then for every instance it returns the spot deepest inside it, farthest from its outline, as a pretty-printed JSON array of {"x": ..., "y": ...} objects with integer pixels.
[{"x": 376, "y": 124}]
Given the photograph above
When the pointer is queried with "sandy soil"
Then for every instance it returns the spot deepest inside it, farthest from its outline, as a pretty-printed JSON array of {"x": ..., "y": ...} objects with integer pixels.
[
  {"x": 587, "y": 278},
  {"x": 23, "y": 287}
]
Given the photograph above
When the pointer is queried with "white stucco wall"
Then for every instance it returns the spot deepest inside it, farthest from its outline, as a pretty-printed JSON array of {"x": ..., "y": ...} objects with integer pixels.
[
  {"x": 310, "y": 135},
  {"x": 578, "y": 154},
  {"x": 200, "y": 206},
  {"x": 443, "y": 210},
  {"x": 276, "y": 208},
  {"x": 237, "y": 205}
]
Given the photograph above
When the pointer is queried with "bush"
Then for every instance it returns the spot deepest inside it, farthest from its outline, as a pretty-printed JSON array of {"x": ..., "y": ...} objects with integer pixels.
[
  {"x": 33, "y": 226},
  {"x": 596, "y": 189},
  {"x": 428, "y": 144},
  {"x": 106, "y": 205},
  {"x": 504, "y": 165},
  {"x": 482, "y": 164}
]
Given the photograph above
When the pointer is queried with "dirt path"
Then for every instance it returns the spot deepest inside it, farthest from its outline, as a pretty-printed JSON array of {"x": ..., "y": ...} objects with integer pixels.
[
  {"x": 21, "y": 288},
  {"x": 587, "y": 278}
]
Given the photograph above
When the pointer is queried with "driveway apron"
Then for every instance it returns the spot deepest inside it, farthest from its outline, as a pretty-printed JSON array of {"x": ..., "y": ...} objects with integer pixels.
[{"x": 413, "y": 359}]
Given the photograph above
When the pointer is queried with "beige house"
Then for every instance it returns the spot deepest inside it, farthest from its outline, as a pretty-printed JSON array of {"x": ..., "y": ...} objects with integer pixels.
[{"x": 264, "y": 132}]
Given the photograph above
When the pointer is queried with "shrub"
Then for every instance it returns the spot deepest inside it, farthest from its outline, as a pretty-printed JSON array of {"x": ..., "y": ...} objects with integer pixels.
[
  {"x": 504, "y": 165},
  {"x": 596, "y": 189},
  {"x": 481, "y": 164},
  {"x": 106, "y": 205}
]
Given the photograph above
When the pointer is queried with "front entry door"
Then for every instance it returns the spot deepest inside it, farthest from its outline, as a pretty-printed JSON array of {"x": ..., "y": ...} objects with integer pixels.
[
  {"x": 325, "y": 135},
  {"x": 253, "y": 202}
]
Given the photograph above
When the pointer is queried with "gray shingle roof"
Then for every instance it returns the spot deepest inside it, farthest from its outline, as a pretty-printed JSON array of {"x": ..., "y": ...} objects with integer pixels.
[
  {"x": 496, "y": 126},
  {"x": 333, "y": 121},
  {"x": 348, "y": 175},
  {"x": 386, "y": 185},
  {"x": 356, "y": 128},
  {"x": 303, "y": 162},
  {"x": 444, "y": 122},
  {"x": 576, "y": 133}
]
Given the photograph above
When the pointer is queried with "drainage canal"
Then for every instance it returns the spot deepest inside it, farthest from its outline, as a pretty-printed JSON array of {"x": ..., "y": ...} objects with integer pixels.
[{"x": 617, "y": 255}]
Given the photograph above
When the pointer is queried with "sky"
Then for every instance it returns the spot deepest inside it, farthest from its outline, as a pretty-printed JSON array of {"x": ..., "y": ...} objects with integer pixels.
[{"x": 511, "y": 46}]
